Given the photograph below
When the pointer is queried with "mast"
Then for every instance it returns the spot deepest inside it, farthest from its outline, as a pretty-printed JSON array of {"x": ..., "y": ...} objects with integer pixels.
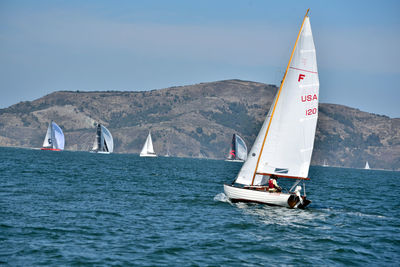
[{"x": 277, "y": 97}]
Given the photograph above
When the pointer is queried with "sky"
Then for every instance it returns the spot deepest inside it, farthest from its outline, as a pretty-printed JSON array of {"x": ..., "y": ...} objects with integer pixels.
[{"x": 47, "y": 46}]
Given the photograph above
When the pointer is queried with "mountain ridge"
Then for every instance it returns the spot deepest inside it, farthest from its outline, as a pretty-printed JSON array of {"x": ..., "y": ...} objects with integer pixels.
[{"x": 197, "y": 121}]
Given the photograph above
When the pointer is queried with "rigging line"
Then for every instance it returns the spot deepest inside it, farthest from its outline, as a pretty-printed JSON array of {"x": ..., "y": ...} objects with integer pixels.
[{"x": 279, "y": 92}]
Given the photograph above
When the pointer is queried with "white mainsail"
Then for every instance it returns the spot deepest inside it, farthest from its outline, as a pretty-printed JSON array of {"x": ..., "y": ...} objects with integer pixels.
[
  {"x": 148, "y": 150},
  {"x": 285, "y": 142},
  {"x": 96, "y": 143},
  {"x": 54, "y": 138},
  {"x": 47, "y": 143}
]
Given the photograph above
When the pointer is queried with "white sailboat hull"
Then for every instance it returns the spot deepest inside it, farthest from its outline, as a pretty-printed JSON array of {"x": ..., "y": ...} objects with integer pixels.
[
  {"x": 234, "y": 160},
  {"x": 238, "y": 194},
  {"x": 100, "y": 152},
  {"x": 148, "y": 155}
]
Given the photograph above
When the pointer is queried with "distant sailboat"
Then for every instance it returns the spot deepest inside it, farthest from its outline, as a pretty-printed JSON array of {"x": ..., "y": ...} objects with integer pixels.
[
  {"x": 148, "y": 150},
  {"x": 54, "y": 139},
  {"x": 325, "y": 164},
  {"x": 367, "y": 166},
  {"x": 104, "y": 142},
  {"x": 284, "y": 145},
  {"x": 238, "y": 152}
]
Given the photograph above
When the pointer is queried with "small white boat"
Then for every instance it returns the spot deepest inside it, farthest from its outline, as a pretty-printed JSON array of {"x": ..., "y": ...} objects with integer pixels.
[
  {"x": 104, "y": 142},
  {"x": 284, "y": 145},
  {"x": 54, "y": 139},
  {"x": 148, "y": 150},
  {"x": 238, "y": 152},
  {"x": 325, "y": 164},
  {"x": 367, "y": 166}
]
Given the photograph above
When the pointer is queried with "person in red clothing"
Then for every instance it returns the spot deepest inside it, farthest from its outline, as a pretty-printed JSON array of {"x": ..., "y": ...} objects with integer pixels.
[{"x": 273, "y": 185}]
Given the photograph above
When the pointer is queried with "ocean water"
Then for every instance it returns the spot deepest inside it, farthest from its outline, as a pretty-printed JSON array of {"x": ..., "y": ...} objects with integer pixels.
[{"x": 76, "y": 208}]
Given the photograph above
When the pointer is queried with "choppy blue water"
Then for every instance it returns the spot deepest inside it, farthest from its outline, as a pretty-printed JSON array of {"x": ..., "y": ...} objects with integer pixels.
[{"x": 74, "y": 208}]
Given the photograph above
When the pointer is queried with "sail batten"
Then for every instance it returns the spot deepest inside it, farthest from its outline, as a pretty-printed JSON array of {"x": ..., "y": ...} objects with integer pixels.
[
  {"x": 310, "y": 71},
  {"x": 308, "y": 85}
]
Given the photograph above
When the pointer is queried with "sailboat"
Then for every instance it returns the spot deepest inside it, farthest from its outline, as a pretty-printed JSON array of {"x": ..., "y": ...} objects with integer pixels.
[
  {"x": 367, "y": 166},
  {"x": 148, "y": 150},
  {"x": 238, "y": 152},
  {"x": 325, "y": 164},
  {"x": 104, "y": 142},
  {"x": 284, "y": 145},
  {"x": 54, "y": 139}
]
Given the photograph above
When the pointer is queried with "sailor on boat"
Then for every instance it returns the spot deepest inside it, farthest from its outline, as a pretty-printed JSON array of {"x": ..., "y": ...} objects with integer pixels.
[{"x": 273, "y": 185}]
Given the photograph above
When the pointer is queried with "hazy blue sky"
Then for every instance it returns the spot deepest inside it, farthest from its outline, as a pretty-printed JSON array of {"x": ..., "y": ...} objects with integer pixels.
[{"x": 47, "y": 46}]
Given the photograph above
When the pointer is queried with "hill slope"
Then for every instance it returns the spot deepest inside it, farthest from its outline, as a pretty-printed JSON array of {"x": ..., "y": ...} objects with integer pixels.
[{"x": 197, "y": 121}]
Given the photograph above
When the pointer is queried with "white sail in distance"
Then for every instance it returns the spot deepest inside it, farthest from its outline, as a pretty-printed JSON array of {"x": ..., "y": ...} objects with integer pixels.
[
  {"x": 238, "y": 151},
  {"x": 104, "y": 141},
  {"x": 241, "y": 148},
  {"x": 366, "y": 166},
  {"x": 285, "y": 142},
  {"x": 148, "y": 150},
  {"x": 58, "y": 137},
  {"x": 54, "y": 138},
  {"x": 108, "y": 139}
]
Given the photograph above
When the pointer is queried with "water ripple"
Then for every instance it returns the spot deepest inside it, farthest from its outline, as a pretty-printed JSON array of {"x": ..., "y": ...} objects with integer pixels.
[{"x": 86, "y": 209}]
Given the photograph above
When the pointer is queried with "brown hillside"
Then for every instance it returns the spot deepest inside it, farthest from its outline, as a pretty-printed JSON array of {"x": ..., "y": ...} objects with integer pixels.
[{"x": 197, "y": 121}]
